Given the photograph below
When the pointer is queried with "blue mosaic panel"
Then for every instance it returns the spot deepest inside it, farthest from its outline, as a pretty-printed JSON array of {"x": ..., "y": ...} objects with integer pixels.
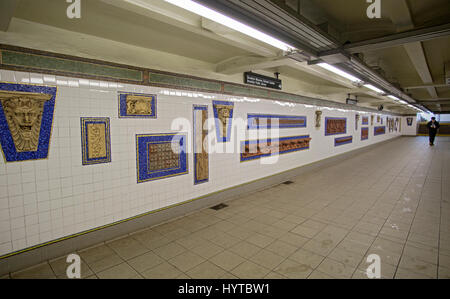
[
  {"x": 343, "y": 140},
  {"x": 160, "y": 156},
  {"x": 364, "y": 133},
  {"x": 256, "y": 149},
  {"x": 266, "y": 121},
  {"x": 201, "y": 156},
  {"x": 221, "y": 135},
  {"x": 379, "y": 130},
  {"x": 147, "y": 102},
  {"x": 20, "y": 116},
  {"x": 335, "y": 126},
  {"x": 365, "y": 120},
  {"x": 95, "y": 140}
]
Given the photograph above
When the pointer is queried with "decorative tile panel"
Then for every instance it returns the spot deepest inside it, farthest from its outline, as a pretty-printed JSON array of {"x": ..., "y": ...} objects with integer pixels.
[
  {"x": 335, "y": 126},
  {"x": 26, "y": 119},
  {"x": 343, "y": 140},
  {"x": 223, "y": 114},
  {"x": 364, "y": 133},
  {"x": 379, "y": 130},
  {"x": 160, "y": 156},
  {"x": 256, "y": 149},
  {"x": 201, "y": 156},
  {"x": 95, "y": 140},
  {"x": 365, "y": 120},
  {"x": 137, "y": 105},
  {"x": 271, "y": 121}
]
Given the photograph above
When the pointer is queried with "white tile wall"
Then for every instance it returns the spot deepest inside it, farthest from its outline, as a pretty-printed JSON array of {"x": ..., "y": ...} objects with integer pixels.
[{"x": 48, "y": 199}]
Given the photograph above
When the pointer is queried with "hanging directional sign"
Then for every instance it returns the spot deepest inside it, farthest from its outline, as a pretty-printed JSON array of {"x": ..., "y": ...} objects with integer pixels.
[{"x": 262, "y": 81}]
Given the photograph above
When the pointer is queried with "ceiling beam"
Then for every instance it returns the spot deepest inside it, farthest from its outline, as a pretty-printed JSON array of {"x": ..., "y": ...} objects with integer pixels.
[
  {"x": 398, "y": 39},
  {"x": 437, "y": 85},
  {"x": 7, "y": 9},
  {"x": 401, "y": 17},
  {"x": 237, "y": 65}
]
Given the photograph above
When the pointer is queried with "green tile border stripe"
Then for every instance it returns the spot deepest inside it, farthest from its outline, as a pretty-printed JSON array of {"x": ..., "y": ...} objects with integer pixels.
[
  {"x": 24, "y": 59},
  {"x": 184, "y": 81},
  {"x": 27, "y": 60}
]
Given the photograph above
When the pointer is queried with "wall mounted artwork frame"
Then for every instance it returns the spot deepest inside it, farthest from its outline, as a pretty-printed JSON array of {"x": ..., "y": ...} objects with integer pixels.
[
  {"x": 223, "y": 115},
  {"x": 26, "y": 120},
  {"x": 343, "y": 140},
  {"x": 137, "y": 105},
  {"x": 409, "y": 121},
  {"x": 200, "y": 144},
  {"x": 364, "y": 133},
  {"x": 257, "y": 149},
  {"x": 264, "y": 121},
  {"x": 365, "y": 120},
  {"x": 95, "y": 140},
  {"x": 335, "y": 126},
  {"x": 380, "y": 130},
  {"x": 161, "y": 156}
]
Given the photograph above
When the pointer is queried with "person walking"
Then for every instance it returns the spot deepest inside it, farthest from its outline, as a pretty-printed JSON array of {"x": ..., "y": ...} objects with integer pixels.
[{"x": 433, "y": 127}]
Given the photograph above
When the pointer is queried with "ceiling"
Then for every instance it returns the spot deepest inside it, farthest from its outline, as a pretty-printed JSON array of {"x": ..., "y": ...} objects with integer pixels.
[{"x": 202, "y": 47}]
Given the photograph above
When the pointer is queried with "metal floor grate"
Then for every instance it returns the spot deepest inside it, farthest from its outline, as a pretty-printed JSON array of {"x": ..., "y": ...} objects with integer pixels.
[
  {"x": 219, "y": 207},
  {"x": 288, "y": 182}
]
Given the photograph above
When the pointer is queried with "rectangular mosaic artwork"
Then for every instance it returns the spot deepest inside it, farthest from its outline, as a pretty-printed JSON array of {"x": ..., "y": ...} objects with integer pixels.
[
  {"x": 364, "y": 133},
  {"x": 256, "y": 149},
  {"x": 26, "y": 120},
  {"x": 379, "y": 130},
  {"x": 335, "y": 126},
  {"x": 270, "y": 121},
  {"x": 95, "y": 140},
  {"x": 201, "y": 156},
  {"x": 365, "y": 120},
  {"x": 137, "y": 105},
  {"x": 160, "y": 156},
  {"x": 343, "y": 140}
]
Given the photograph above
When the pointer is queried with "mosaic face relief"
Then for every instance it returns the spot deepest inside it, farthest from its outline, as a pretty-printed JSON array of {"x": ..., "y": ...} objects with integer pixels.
[
  {"x": 95, "y": 140},
  {"x": 136, "y": 105},
  {"x": 223, "y": 113},
  {"x": 160, "y": 156},
  {"x": 270, "y": 121},
  {"x": 201, "y": 156},
  {"x": 26, "y": 119},
  {"x": 343, "y": 140},
  {"x": 256, "y": 149},
  {"x": 335, "y": 126},
  {"x": 318, "y": 118}
]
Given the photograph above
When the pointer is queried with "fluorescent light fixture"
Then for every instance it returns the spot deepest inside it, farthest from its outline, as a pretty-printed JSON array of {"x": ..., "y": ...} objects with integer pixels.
[
  {"x": 370, "y": 86},
  {"x": 338, "y": 72},
  {"x": 393, "y": 98},
  {"x": 229, "y": 22}
]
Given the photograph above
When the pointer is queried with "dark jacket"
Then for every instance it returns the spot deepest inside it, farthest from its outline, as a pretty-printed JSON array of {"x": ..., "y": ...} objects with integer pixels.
[{"x": 433, "y": 130}]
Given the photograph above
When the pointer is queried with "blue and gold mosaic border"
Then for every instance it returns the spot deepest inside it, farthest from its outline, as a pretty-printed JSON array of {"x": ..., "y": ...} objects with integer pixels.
[
  {"x": 123, "y": 105},
  {"x": 335, "y": 118},
  {"x": 375, "y": 133},
  {"x": 85, "y": 121},
  {"x": 364, "y": 130},
  {"x": 338, "y": 141},
  {"x": 216, "y": 117},
  {"x": 365, "y": 120},
  {"x": 270, "y": 140},
  {"x": 252, "y": 119},
  {"x": 142, "y": 155},
  {"x": 196, "y": 108},
  {"x": 10, "y": 153}
]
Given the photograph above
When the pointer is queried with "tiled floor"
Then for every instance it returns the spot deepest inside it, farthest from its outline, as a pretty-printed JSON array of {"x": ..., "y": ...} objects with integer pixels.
[{"x": 392, "y": 201}]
